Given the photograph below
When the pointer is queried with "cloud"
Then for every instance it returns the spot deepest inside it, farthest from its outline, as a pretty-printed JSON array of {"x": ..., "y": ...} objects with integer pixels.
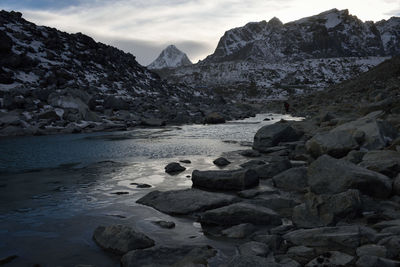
[{"x": 144, "y": 27}]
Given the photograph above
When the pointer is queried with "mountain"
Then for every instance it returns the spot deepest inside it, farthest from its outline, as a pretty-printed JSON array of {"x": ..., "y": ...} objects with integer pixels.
[
  {"x": 52, "y": 81},
  {"x": 312, "y": 52},
  {"x": 170, "y": 57}
]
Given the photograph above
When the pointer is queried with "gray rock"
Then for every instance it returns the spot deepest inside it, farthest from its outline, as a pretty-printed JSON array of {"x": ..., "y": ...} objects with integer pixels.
[
  {"x": 301, "y": 254},
  {"x": 10, "y": 119},
  {"x": 254, "y": 261},
  {"x": 239, "y": 231},
  {"x": 325, "y": 210},
  {"x": 116, "y": 103},
  {"x": 152, "y": 122},
  {"x": 294, "y": 179},
  {"x": 120, "y": 239},
  {"x": 241, "y": 213},
  {"x": 251, "y": 193},
  {"x": 330, "y": 176},
  {"x": 396, "y": 185},
  {"x": 225, "y": 180},
  {"x": 188, "y": 201},
  {"x": 254, "y": 248},
  {"x": 336, "y": 144},
  {"x": 331, "y": 258},
  {"x": 386, "y": 162},
  {"x": 281, "y": 204},
  {"x": 272, "y": 135},
  {"x": 252, "y": 163},
  {"x": 165, "y": 224},
  {"x": 274, "y": 242},
  {"x": 250, "y": 153},
  {"x": 221, "y": 162},
  {"x": 392, "y": 244},
  {"x": 374, "y": 261},
  {"x": 174, "y": 167},
  {"x": 214, "y": 118},
  {"x": 270, "y": 170},
  {"x": 168, "y": 256},
  {"x": 355, "y": 156},
  {"x": 372, "y": 250},
  {"x": 342, "y": 238}
]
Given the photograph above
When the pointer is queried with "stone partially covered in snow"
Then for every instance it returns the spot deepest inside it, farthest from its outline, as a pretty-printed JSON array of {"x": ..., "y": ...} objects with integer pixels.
[{"x": 170, "y": 57}]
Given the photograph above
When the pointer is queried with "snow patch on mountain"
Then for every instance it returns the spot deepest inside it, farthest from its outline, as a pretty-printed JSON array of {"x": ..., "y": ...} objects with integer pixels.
[{"x": 170, "y": 57}]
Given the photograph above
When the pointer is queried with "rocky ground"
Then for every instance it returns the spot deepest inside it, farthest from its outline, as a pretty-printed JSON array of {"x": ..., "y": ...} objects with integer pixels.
[{"x": 320, "y": 192}]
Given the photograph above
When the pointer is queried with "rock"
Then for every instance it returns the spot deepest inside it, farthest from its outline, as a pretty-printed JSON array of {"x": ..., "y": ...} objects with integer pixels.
[
  {"x": 331, "y": 258},
  {"x": 274, "y": 242},
  {"x": 153, "y": 122},
  {"x": 183, "y": 202},
  {"x": 355, "y": 156},
  {"x": 141, "y": 185},
  {"x": 221, "y": 162},
  {"x": 372, "y": 250},
  {"x": 214, "y": 118},
  {"x": 6, "y": 43},
  {"x": 377, "y": 133},
  {"x": 174, "y": 167},
  {"x": 270, "y": 170},
  {"x": 327, "y": 175},
  {"x": 251, "y": 193},
  {"x": 342, "y": 238},
  {"x": 116, "y": 103},
  {"x": 240, "y": 213},
  {"x": 169, "y": 256},
  {"x": 225, "y": 180},
  {"x": 250, "y": 153},
  {"x": 386, "y": 162},
  {"x": 239, "y": 231},
  {"x": 254, "y": 261},
  {"x": 374, "y": 261},
  {"x": 396, "y": 185},
  {"x": 325, "y": 210},
  {"x": 10, "y": 119},
  {"x": 185, "y": 161},
  {"x": 392, "y": 245},
  {"x": 252, "y": 163},
  {"x": 272, "y": 135},
  {"x": 336, "y": 144},
  {"x": 120, "y": 239},
  {"x": 165, "y": 224},
  {"x": 254, "y": 248},
  {"x": 301, "y": 254},
  {"x": 281, "y": 204},
  {"x": 7, "y": 259},
  {"x": 294, "y": 179}
]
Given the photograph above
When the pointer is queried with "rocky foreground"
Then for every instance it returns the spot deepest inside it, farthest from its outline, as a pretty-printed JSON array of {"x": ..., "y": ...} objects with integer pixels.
[{"x": 320, "y": 192}]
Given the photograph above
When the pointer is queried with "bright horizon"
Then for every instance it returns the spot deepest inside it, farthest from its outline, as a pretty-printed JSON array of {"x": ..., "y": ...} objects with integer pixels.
[{"x": 145, "y": 28}]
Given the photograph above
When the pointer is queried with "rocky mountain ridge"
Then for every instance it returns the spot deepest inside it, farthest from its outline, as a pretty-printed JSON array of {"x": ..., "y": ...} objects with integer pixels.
[
  {"x": 312, "y": 52},
  {"x": 170, "y": 57}
]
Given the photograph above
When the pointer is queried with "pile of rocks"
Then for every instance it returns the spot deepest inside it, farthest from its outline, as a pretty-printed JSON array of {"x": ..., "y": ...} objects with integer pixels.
[{"x": 308, "y": 197}]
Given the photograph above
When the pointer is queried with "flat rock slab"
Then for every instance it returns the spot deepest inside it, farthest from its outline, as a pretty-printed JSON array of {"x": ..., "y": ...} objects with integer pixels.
[
  {"x": 168, "y": 256},
  {"x": 327, "y": 175},
  {"x": 239, "y": 213},
  {"x": 225, "y": 180},
  {"x": 120, "y": 239},
  {"x": 386, "y": 162},
  {"x": 184, "y": 202}
]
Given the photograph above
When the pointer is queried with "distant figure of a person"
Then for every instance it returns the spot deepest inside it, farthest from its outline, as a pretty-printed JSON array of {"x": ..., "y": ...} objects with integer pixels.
[{"x": 286, "y": 106}]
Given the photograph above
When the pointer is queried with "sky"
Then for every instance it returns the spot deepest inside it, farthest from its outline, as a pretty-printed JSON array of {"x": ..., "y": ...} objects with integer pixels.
[{"x": 145, "y": 27}]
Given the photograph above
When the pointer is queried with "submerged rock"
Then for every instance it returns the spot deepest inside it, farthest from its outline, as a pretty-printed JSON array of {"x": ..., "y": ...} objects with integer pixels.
[
  {"x": 120, "y": 239},
  {"x": 221, "y": 162},
  {"x": 174, "y": 167},
  {"x": 225, "y": 180}
]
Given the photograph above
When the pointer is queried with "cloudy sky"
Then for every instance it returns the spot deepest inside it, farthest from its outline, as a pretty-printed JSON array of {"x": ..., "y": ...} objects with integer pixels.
[{"x": 145, "y": 27}]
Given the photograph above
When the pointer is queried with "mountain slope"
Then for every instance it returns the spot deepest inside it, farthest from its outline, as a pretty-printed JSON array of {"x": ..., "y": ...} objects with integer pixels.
[{"x": 170, "y": 57}]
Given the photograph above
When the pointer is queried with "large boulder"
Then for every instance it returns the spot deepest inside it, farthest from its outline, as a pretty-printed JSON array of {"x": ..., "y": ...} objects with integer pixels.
[
  {"x": 169, "y": 256},
  {"x": 294, "y": 179},
  {"x": 374, "y": 261},
  {"x": 336, "y": 144},
  {"x": 225, "y": 180},
  {"x": 386, "y": 162},
  {"x": 325, "y": 210},
  {"x": 342, "y": 238},
  {"x": 183, "y": 202},
  {"x": 272, "y": 135},
  {"x": 120, "y": 239},
  {"x": 377, "y": 133},
  {"x": 174, "y": 167},
  {"x": 273, "y": 168},
  {"x": 328, "y": 175},
  {"x": 241, "y": 213}
]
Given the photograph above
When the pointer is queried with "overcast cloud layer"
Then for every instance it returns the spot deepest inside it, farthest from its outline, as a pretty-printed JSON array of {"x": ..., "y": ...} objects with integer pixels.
[{"x": 145, "y": 27}]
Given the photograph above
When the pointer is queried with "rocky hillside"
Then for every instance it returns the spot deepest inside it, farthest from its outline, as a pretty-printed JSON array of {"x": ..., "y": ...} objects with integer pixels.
[
  {"x": 52, "y": 81},
  {"x": 312, "y": 52},
  {"x": 170, "y": 57}
]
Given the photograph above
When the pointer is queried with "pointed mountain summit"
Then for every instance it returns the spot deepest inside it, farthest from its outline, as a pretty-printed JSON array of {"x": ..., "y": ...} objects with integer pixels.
[{"x": 170, "y": 57}]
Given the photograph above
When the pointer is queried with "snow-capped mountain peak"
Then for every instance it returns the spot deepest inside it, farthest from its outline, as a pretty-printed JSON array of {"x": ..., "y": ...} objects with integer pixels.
[{"x": 170, "y": 57}]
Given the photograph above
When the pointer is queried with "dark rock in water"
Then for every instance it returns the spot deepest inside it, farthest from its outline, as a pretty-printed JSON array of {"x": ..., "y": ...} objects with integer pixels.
[
  {"x": 272, "y": 135},
  {"x": 174, "y": 167},
  {"x": 325, "y": 210},
  {"x": 120, "y": 193},
  {"x": 374, "y": 261},
  {"x": 120, "y": 239},
  {"x": 225, "y": 180},
  {"x": 241, "y": 213},
  {"x": 327, "y": 175},
  {"x": 185, "y": 161},
  {"x": 182, "y": 202},
  {"x": 169, "y": 256},
  {"x": 214, "y": 118},
  {"x": 386, "y": 162},
  {"x": 165, "y": 224},
  {"x": 141, "y": 185},
  {"x": 294, "y": 179},
  {"x": 270, "y": 170},
  {"x": 250, "y": 153},
  {"x": 267, "y": 119},
  {"x": 331, "y": 258},
  {"x": 153, "y": 122},
  {"x": 221, "y": 162}
]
